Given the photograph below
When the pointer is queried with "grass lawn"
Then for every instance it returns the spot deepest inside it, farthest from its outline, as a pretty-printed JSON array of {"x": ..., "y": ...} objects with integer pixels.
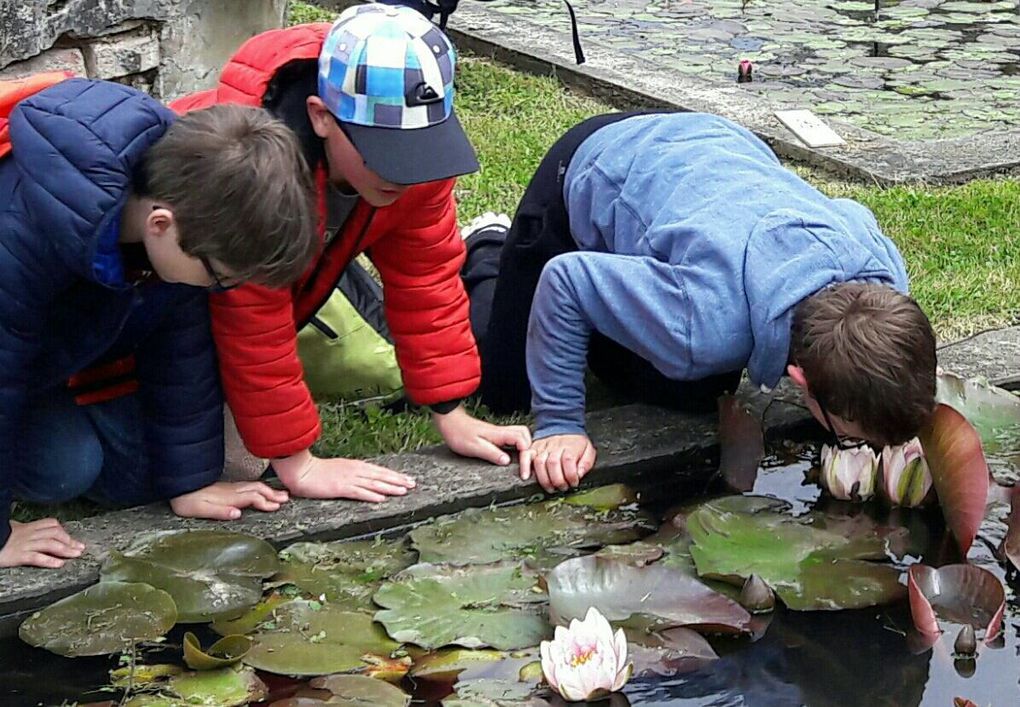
[{"x": 962, "y": 244}]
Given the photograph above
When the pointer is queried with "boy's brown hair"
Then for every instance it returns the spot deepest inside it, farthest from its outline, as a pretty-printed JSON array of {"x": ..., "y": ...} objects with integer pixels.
[
  {"x": 868, "y": 354},
  {"x": 239, "y": 189}
]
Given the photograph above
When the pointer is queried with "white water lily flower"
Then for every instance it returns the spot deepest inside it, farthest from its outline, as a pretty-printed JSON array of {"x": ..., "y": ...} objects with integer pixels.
[
  {"x": 849, "y": 474},
  {"x": 906, "y": 477},
  {"x": 586, "y": 661}
]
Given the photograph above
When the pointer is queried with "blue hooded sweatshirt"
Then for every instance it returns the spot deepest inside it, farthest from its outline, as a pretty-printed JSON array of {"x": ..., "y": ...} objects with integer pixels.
[
  {"x": 695, "y": 245},
  {"x": 64, "y": 303}
]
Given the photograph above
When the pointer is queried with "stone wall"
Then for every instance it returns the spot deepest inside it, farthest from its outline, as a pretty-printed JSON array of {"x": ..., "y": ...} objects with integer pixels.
[{"x": 167, "y": 47}]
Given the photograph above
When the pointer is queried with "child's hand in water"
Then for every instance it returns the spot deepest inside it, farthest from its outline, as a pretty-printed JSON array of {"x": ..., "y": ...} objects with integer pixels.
[{"x": 559, "y": 462}]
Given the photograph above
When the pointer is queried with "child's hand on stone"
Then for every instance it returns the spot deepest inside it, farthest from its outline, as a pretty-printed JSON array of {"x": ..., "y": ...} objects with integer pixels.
[
  {"x": 41, "y": 543},
  {"x": 311, "y": 477},
  {"x": 224, "y": 500},
  {"x": 559, "y": 462},
  {"x": 470, "y": 437}
]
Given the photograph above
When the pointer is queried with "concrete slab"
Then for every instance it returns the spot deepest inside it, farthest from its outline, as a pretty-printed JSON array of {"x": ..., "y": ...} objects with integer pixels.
[
  {"x": 626, "y": 80},
  {"x": 994, "y": 355}
]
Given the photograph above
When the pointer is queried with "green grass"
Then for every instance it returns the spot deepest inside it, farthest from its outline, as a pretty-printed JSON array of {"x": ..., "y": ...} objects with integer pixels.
[{"x": 961, "y": 243}]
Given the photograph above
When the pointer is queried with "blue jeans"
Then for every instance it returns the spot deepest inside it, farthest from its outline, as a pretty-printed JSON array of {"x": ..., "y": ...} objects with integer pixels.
[{"x": 67, "y": 450}]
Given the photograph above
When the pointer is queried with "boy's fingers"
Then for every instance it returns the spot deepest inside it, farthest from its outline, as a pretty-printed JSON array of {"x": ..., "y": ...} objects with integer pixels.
[
  {"x": 386, "y": 488},
  {"x": 217, "y": 511},
  {"x": 587, "y": 461},
  {"x": 38, "y": 559},
  {"x": 363, "y": 494},
  {"x": 389, "y": 476},
  {"x": 56, "y": 533},
  {"x": 569, "y": 464},
  {"x": 487, "y": 451},
  {"x": 262, "y": 503},
  {"x": 268, "y": 492},
  {"x": 554, "y": 467},
  {"x": 54, "y": 548},
  {"x": 526, "y": 457}
]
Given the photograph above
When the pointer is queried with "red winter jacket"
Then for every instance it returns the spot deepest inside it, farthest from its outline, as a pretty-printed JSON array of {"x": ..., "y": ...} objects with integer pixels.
[{"x": 413, "y": 243}]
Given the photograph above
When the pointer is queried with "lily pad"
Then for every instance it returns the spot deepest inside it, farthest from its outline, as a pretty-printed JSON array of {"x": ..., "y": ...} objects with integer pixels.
[
  {"x": 252, "y": 618},
  {"x": 143, "y": 675},
  {"x": 223, "y": 653},
  {"x": 962, "y": 594},
  {"x": 959, "y": 472},
  {"x": 492, "y": 693},
  {"x": 604, "y": 498},
  {"x": 209, "y": 573},
  {"x": 541, "y": 534},
  {"x": 105, "y": 618},
  {"x": 360, "y": 691},
  {"x": 313, "y": 639},
  {"x": 346, "y": 572},
  {"x": 666, "y": 653},
  {"x": 994, "y": 412},
  {"x": 225, "y": 687},
  {"x": 446, "y": 665},
  {"x": 656, "y": 593},
  {"x": 496, "y": 605},
  {"x": 741, "y": 445},
  {"x": 815, "y": 561},
  {"x": 1010, "y": 549}
]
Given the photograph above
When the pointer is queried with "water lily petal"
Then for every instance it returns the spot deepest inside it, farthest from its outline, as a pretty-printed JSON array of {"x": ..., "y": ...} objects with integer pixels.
[
  {"x": 548, "y": 665},
  {"x": 622, "y": 677}
]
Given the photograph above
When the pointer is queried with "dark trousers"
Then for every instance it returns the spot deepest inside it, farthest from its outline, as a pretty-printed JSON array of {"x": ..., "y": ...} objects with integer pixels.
[{"x": 501, "y": 274}]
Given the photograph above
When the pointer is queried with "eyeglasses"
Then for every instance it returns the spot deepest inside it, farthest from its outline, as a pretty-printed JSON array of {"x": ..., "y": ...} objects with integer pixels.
[
  {"x": 842, "y": 442},
  {"x": 218, "y": 285}
]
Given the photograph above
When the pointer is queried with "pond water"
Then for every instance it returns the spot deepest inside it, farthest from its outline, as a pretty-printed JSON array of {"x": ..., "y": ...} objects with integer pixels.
[
  {"x": 915, "y": 69},
  {"x": 845, "y": 658}
]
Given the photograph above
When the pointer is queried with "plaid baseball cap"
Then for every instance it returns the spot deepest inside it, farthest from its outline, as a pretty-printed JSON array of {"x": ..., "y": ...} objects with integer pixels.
[{"x": 386, "y": 74}]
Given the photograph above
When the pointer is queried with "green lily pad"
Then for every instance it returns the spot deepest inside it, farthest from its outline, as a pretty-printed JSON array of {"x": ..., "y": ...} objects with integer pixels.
[
  {"x": 604, "y": 498},
  {"x": 994, "y": 412},
  {"x": 309, "y": 638},
  {"x": 654, "y": 594},
  {"x": 105, "y": 618},
  {"x": 445, "y": 665},
  {"x": 492, "y": 693},
  {"x": 226, "y": 687},
  {"x": 347, "y": 573},
  {"x": 541, "y": 534},
  {"x": 494, "y": 605},
  {"x": 209, "y": 573},
  {"x": 360, "y": 691},
  {"x": 143, "y": 675},
  {"x": 252, "y": 618},
  {"x": 815, "y": 561},
  {"x": 223, "y": 653}
]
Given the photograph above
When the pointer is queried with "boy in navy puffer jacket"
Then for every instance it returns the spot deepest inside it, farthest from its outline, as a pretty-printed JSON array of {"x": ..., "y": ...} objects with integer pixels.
[
  {"x": 116, "y": 221},
  {"x": 669, "y": 252}
]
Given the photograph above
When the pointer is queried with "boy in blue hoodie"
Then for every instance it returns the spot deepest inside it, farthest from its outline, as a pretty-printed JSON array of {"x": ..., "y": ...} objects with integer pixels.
[
  {"x": 669, "y": 252},
  {"x": 117, "y": 219}
]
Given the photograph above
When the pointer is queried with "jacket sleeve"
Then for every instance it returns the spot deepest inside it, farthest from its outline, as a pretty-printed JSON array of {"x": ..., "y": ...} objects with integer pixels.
[
  {"x": 180, "y": 395},
  {"x": 31, "y": 277},
  {"x": 632, "y": 300},
  {"x": 263, "y": 381},
  {"x": 426, "y": 305}
]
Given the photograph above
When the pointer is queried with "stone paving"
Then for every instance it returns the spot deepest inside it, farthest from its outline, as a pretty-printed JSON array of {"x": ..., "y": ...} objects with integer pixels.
[{"x": 915, "y": 69}]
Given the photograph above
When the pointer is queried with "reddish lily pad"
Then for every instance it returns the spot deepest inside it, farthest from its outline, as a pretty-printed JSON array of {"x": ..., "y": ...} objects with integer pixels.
[
  {"x": 1011, "y": 543},
  {"x": 666, "y": 596},
  {"x": 667, "y": 653},
  {"x": 741, "y": 445},
  {"x": 994, "y": 412},
  {"x": 959, "y": 472},
  {"x": 962, "y": 594}
]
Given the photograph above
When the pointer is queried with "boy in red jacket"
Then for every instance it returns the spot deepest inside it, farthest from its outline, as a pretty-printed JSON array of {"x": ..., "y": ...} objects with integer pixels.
[{"x": 371, "y": 100}]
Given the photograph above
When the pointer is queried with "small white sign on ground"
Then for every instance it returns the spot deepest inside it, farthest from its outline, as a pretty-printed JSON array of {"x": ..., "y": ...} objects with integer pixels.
[{"x": 809, "y": 128}]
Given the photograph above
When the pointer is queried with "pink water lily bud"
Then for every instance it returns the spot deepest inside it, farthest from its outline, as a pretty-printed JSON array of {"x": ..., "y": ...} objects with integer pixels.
[
  {"x": 906, "y": 477},
  {"x": 586, "y": 661},
  {"x": 849, "y": 474}
]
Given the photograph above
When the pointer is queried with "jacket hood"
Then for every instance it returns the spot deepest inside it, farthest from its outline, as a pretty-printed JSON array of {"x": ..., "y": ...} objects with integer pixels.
[{"x": 76, "y": 147}]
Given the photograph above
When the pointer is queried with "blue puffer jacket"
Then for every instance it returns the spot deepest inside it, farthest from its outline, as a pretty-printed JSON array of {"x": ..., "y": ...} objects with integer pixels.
[
  {"x": 64, "y": 303},
  {"x": 695, "y": 246}
]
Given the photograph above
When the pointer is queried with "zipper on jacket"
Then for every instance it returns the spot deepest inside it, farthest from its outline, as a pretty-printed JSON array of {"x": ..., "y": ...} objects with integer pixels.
[{"x": 310, "y": 283}]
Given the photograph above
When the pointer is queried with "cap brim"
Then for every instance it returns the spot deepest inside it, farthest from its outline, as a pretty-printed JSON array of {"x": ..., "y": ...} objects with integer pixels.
[{"x": 415, "y": 156}]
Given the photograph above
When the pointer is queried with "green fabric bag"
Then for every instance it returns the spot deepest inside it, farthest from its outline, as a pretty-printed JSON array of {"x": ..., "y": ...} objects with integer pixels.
[{"x": 345, "y": 357}]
